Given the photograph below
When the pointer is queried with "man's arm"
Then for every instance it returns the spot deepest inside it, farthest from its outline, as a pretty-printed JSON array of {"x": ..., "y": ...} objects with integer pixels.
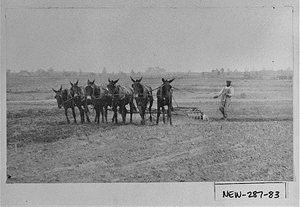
[{"x": 220, "y": 93}]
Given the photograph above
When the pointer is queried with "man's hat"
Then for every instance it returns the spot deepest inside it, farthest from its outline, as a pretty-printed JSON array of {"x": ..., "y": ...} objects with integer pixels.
[{"x": 228, "y": 81}]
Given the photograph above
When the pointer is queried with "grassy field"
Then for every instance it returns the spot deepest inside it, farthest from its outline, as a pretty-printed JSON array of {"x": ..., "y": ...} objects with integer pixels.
[{"x": 256, "y": 143}]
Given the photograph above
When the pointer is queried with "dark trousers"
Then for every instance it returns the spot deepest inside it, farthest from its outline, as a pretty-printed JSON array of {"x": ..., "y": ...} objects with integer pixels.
[{"x": 224, "y": 106}]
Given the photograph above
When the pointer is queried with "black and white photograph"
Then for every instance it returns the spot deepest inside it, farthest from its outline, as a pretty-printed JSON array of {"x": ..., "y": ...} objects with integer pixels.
[{"x": 154, "y": 92}]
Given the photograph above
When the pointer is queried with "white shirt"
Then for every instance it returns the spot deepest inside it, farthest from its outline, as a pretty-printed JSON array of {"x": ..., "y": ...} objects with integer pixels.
[{"x": 226, "y": 92}]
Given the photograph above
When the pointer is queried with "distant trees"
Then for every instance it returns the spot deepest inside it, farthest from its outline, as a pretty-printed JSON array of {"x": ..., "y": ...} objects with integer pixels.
[
  {"x": 92, "y": 74},
  {"x": 51, "y": 71},
  {"x": 135, "y": 74},
  {"x": 42, "y": 73},
  {"x": 243, "y": 73},
  {"x": 218, "y": 72},
  {"x": 122, "y": 74},
  {"x": 132, "y": 73},
  {"x": 139, "y": 74},
  {"x": 155, "y": 71},
  {"x": 67, "y": 73},
  {"x": 247, "y": 75},
  {"x": 24, "y": 73},
  {"x": 285, "y": 77}
]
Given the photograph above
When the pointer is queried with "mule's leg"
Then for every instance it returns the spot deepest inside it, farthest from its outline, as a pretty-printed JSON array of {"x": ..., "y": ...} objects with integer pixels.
[
  {"x": 115, "y": 114},
  {"x": 167, "y": 113},
  {"x": 105, "y": 112},
  {"x": 143, "y": 114},
  {"x": 163, "y": 114},
  {"x": 113, "y": 118},
  {"x": 158, "y": 112},
  {"x": 170, "y": 113},
  {"x": 102, "y": 113},
  {"x": 150, "y": 105},
  {"x": 143, "y": 107},
  {"x": 131, "y": 105},
  {"x": 66, "y": 113},
  {"x": 113, "y": 110},
  {"x": 74, "y": 115},
  {"x": 140, "y": 108},
  {"x": 86, "y": 110},
  {"x": 124, "y": 111},
  {"x": 95, "y": 120},
  {"x": 97, "y": 114},
  {"x": 82, "y": 115}
]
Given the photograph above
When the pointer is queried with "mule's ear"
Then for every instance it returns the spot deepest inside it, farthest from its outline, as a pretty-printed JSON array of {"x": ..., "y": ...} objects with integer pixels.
[
  {"x": 93, "y": 81},
  {"x": 170, "y": 81},
  {"x": 54, "y": 90},
  {"x": 60, "y": 88},
  {"x": 108, "y": 80},
  {"x": 140, "y": 79},
  {"x": 88, "y": 81},
  {"x": 76, "y": 83},
  {"x": 116, "y": 81},
  {"x": 71, "y": 83},
  {"x": 132, "y": 79},
  {"x": 163, "y": 80}
]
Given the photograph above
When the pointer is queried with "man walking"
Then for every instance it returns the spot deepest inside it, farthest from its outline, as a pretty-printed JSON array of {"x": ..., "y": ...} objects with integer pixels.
[{"x": 225, "y": 94}]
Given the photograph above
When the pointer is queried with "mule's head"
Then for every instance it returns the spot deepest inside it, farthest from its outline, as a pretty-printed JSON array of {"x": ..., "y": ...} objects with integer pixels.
[
  {"x": 137, "y": 86},
  {"x": 166, "y": 87},
  {"x": 58, "y": 97},
  {"x": 75, "y": 89},
  {"x": 89, "y": 92},
  {"x": 112, "y": 87},
  {"x": 91, "y": 83},
  {"x": 89, "y": 89}
]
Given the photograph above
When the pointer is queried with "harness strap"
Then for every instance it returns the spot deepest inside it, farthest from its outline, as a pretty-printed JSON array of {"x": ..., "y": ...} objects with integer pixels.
[
  {"x": 67, "y": 100},
  {"x": 156, "y": 88},
  {"x": 64, "y": 102}
]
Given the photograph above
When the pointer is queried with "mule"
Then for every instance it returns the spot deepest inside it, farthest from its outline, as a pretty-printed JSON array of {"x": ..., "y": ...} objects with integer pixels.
[
  {"x": 143, "y": 96},
  {"x": 79, "y": 97},
  {"x": 164, "y": 98},
  {"x": 98, "y": 97},
  {"x": 121, "y": 96},
  {"x": 64, "y": 99}
]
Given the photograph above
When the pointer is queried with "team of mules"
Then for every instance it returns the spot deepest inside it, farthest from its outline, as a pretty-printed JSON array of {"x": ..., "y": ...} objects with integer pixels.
[{"x": 115, "y": 96}]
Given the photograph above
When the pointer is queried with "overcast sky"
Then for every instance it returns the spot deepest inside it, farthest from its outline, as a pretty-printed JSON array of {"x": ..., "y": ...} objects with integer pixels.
[{"x": 124, "y": 39}]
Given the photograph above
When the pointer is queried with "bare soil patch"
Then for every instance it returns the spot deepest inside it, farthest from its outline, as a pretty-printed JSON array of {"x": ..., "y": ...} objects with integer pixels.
[{"x": 43, "y": 148}]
